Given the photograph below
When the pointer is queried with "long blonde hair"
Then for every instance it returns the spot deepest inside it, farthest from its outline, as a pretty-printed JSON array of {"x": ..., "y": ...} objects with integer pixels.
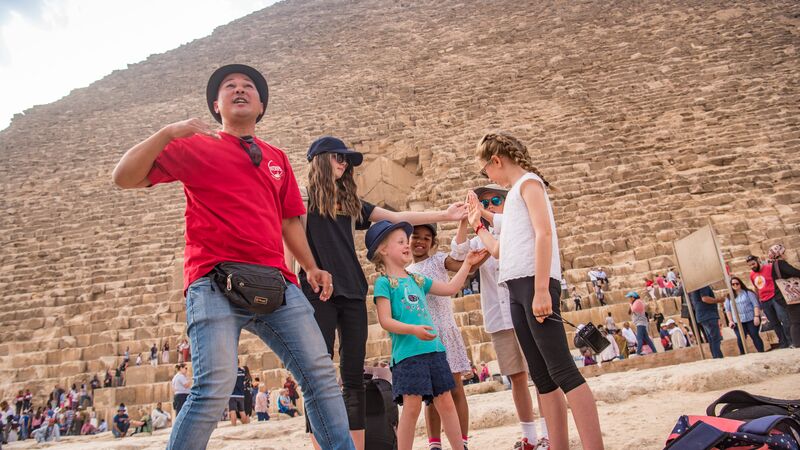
[
  {"x": 325, "y": 191},
  {"x": 503, "y": 144}
]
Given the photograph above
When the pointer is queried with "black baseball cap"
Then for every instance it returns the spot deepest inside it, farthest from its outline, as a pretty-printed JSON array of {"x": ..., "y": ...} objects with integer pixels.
[
  {"x": 378, "y": 232},
  {"x": 330, "y": 144},
  {"x": 212, "y": 89}
]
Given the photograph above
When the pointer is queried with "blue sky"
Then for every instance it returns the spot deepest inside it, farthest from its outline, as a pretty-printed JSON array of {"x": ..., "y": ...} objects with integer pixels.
[{"x": 49, "y": 47}]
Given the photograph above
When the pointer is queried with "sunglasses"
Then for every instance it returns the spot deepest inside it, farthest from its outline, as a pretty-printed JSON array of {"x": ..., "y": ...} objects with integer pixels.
[
  {"x": 251, "y": 148},
  {"x": 340, "y": 158},
  {"x": 483, "y": 171},
  {"x": 496, "y": 201},
  {"x": 735, "y": 284}
]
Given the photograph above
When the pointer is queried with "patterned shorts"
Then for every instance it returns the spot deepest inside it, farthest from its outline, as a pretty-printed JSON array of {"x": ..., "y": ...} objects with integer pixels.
[{"x": 427, "y": 375}]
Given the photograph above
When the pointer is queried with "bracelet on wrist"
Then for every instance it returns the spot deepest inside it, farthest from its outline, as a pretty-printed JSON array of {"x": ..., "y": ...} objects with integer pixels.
[{"x": 479, "y": 228}]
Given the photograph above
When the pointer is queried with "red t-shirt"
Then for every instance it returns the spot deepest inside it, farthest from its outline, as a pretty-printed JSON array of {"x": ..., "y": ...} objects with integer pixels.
[
  {"x": 234, "y": 210},
  {"x": 762, "y": 280}
]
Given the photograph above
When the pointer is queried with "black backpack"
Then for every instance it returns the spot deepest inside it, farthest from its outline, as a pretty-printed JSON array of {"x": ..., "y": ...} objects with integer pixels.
[
  {"x": 741, "y": 405},
  {"x": 382, "y": 416}
]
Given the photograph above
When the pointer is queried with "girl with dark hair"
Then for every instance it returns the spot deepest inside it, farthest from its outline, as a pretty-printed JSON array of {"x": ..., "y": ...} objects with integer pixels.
[
  {"x": 749, "y": 309},
  {"x": 334, "y": 211}
]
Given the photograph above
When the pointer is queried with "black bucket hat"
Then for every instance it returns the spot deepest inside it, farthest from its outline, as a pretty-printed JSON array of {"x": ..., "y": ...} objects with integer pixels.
[
  {"x": 212, "y": 89},
  {"x": 330, "y": 144}
]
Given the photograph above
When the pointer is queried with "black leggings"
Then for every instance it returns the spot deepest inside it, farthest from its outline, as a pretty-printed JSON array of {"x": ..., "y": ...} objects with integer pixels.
[
  {"x": 544, "y": 344},
  {"x": 349, "y": 317}
]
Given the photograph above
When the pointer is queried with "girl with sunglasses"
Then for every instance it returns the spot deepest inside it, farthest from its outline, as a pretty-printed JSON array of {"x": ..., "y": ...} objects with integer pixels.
[
  {"x": 749, "y": 309},
  {"x": 530, "y": 267},
  {"x": 334, "y": 211}
]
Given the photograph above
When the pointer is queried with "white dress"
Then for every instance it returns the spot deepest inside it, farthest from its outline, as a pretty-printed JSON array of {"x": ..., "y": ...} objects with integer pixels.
[{"x": 441, "y": 309}]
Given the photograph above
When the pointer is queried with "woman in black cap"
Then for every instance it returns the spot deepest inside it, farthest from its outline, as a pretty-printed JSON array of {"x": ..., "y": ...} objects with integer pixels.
[{"x": 334, "y": 211}]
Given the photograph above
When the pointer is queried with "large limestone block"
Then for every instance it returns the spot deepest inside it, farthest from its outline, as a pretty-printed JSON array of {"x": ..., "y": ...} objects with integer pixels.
[
  {"x": 28, "y": 359},
  {"x": 96, "y": 351}
]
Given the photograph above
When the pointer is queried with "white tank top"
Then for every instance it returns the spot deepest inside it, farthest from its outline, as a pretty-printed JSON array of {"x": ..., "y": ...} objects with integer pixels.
[{"x": 517, "y": 241}]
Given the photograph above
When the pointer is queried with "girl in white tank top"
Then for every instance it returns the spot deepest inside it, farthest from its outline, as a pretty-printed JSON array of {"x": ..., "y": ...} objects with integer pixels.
[{"x": 530, "y": 267}]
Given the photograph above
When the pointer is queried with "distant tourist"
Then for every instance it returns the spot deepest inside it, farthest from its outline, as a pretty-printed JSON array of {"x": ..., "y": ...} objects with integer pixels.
[
  {"x": 774, "y": 305},
  {"x": 576, "y": 298},
  {"x": 706, "y": 314},
  {"x": 160, "y": 418},
  {"x": 639, "y": 320},
  {"x": 120, "y": 423},
  {"x": 611, "y": 326},
  {"x": 285, "y": 405},
  {"x": 180, "y": 387},
  {"x": 262, "y": 403}
]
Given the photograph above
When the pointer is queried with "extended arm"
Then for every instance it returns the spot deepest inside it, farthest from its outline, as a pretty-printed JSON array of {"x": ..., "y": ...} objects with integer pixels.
[
  {"x": 456, "y": 211},
  {"x": 489, "y": 242},
  {"x": 131, "y": 171},
  {"x": 454, "y": 285}
]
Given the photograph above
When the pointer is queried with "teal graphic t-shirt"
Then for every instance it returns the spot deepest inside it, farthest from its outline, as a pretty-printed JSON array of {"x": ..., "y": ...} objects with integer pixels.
[{"x": 408, "y": 306}]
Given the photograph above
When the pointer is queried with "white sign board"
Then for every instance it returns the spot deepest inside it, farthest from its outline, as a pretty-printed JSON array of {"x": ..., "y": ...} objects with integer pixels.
[{"x": 700, "y": 259}]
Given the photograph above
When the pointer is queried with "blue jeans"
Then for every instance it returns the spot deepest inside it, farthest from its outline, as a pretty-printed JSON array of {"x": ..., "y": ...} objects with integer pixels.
[
  {"x": 711, "y": 328},
  {"x": 778, "y": 316},
  {"x": 749, "y": 330},
  {"x": 643, "y": 338},
  {"x": 214, "y": 326}
]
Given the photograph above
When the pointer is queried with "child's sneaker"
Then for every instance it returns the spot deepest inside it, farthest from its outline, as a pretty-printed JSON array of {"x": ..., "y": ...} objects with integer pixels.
[
  {"x": 523, "y": 444},
  {"x": 542, "y": 444}
]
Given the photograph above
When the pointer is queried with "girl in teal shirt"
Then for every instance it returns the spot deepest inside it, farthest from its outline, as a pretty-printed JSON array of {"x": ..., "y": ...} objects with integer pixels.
[{"x": 419, "y": 365}]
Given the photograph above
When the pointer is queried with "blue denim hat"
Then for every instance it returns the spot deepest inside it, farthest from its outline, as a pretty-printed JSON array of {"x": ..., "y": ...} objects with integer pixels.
[
  {"x": 632, "y": 294},
  {"x": 330, "y": 144},
  {"x": 378, "y": 232}
]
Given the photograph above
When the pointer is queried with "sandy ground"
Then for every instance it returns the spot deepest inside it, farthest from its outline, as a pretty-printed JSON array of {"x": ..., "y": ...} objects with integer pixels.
[{"x": 637, "y": 408}]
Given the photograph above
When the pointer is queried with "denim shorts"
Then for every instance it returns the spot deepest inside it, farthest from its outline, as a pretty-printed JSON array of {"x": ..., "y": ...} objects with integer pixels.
[{"x": 427, "y": 375}]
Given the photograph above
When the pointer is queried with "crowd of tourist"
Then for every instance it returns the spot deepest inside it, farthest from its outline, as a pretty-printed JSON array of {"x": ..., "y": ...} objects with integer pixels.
[{"x": 66, "y": 412}]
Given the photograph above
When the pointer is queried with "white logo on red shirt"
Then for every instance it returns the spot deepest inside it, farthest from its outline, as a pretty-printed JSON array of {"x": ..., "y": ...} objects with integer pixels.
[{"x": 275, "y": 170}]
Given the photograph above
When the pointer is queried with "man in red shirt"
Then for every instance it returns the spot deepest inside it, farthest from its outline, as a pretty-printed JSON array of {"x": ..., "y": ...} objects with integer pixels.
[
  {"x": 773, "y": 304},
  {"x": 242, "y": 205}
]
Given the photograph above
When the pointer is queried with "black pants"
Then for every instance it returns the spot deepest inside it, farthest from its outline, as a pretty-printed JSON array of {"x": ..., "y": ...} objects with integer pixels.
[
  {"x": 349, "y": 317},
  {"x": 544, "y": 344},
  {"x": 178, "y": 401}
]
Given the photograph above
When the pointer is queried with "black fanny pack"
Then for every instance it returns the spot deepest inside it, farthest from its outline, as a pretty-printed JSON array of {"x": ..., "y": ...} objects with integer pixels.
[{"x": 259, "y": 289}]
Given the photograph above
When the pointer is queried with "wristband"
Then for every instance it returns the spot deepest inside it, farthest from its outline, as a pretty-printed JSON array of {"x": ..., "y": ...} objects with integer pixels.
[{"x": 479, "y": 228}]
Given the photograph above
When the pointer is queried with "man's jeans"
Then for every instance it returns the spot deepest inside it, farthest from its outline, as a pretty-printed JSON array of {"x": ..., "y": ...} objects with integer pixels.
[
  {"x": 779, "y": 318},
  {"x": 214, "y": 326},
  {"x": 711, "y": 328}
]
